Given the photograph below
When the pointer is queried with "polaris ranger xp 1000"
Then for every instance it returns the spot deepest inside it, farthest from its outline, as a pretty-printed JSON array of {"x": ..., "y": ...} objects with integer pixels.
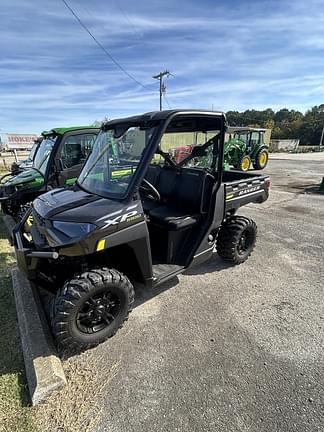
[{"x": 135, "y": 215}]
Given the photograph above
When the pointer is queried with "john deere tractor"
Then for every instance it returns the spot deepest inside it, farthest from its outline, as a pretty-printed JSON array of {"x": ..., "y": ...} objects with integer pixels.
[{"x": 246, "y": 147}]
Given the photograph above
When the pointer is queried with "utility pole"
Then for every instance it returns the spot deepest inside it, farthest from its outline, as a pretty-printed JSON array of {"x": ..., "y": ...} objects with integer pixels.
[
  {"x": 321, "y": 141},
  {"x": 162, "y": 85}
]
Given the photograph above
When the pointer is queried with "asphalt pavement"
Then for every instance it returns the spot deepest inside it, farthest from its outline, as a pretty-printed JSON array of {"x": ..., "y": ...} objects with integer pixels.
[{"x": 226, "y": 348}]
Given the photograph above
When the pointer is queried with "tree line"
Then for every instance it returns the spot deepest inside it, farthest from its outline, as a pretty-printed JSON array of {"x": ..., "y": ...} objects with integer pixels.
[{"x": 285, "y": 123}]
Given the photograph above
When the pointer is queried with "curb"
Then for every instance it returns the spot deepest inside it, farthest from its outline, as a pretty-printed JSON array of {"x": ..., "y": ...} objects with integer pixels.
[{"x": 44, "y": 370}]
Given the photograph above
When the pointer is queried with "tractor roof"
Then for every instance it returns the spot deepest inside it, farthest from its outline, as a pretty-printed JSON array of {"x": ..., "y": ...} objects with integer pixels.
[{"x": 63, "y": 130}]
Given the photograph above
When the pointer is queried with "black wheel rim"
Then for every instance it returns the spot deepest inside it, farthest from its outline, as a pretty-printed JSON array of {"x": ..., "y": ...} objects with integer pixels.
[
  {"x": 98, "y": 312},
  {"x": 245, "y": 242}
]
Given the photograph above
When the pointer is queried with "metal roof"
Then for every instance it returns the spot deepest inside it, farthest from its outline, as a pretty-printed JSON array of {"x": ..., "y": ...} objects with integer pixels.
[
  {"x": 161, "y": 115},
  {"x": 63, "y": 130}
]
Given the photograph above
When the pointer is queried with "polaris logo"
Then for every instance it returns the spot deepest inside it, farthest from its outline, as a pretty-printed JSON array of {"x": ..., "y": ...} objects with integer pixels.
[{"x": 247, "y": 191}]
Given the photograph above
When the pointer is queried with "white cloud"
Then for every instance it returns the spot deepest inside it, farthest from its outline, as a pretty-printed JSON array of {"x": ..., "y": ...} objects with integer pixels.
[{"x": 255, "y": 55}]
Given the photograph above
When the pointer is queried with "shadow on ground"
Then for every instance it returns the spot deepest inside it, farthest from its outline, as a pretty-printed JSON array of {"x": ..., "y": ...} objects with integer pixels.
[
  {"x": 314, "y": 190},
  {"x": 213, "y": 265}
]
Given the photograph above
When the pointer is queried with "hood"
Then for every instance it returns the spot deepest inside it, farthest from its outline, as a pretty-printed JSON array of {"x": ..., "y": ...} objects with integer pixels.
[
  {"x": 75, "y": 205},
  {"x": 31, "y": 177}
]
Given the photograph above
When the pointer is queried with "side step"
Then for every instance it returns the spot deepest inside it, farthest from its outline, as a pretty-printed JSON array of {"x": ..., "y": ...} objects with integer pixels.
[{"x": 163, "y": 272}]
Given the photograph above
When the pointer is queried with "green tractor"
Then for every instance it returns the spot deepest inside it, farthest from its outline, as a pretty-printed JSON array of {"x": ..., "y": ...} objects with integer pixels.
[
  {"x": 58, "y": 162},
  {"x": 246, "y": 146}
]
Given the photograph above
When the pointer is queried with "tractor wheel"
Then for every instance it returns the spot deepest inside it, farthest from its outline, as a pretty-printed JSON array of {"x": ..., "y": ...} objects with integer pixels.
[
  {"x": 236, "y": 239},
  {"x": 90, "y": 308},
  {"x": 261, "y": 159},
  {"x": 245, "y": 163}
]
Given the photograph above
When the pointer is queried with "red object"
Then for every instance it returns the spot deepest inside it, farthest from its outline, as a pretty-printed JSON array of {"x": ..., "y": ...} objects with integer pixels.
[{"x": 181, "y": 153}]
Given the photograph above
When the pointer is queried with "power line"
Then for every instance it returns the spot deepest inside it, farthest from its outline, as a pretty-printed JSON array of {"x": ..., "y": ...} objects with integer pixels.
[
  {"x": 101, "y": 46},
  {"x": 166, "y": 100},
  {"x": 127, "y": 19}
]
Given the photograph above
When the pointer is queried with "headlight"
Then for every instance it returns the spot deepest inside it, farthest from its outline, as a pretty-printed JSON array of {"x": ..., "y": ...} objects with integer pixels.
[{"x": 73, "y": 229}]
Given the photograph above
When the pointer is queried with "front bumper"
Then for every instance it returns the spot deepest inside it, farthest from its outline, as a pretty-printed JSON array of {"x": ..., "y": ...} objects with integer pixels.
[{"x": 26, "y": 253}]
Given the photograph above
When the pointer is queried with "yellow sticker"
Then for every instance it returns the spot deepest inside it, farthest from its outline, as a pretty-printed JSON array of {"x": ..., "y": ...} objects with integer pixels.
[
  {"x": 101, "y": 245},
  {"x": 121, "y": 172},
  {"x": 30, "y": 220}
]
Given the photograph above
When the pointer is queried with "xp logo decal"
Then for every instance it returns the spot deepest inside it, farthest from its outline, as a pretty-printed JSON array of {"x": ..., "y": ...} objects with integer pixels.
[{"x": 130, "y": 216}]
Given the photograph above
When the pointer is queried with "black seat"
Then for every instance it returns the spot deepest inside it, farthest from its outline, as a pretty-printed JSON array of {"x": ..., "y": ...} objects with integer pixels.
[
  {"x": 186, "y": 193},
  {"x": 164, "y": 180},
  {"x": 172, "y": 218},
  {"x": 153, "y": 174}
]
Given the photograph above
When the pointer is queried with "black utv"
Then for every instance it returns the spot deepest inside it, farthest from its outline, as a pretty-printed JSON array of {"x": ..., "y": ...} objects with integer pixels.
[{"x": 136, "y": 216}]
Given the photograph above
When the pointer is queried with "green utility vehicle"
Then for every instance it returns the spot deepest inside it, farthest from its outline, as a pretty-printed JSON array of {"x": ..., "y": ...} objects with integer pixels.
[
  {"x": 57, "y": 162},
  {"x": 245, "y": 147},
  {"x": 135, "y": 215},
  {"x": 20, "y": 166}
]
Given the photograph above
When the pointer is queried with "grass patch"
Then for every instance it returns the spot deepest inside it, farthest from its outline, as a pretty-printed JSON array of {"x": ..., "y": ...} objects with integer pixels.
[{"x": 15, "y": 414}]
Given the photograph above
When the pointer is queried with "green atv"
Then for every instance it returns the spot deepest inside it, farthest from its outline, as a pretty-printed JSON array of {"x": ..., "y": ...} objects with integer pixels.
[
  {"x": 57, "y": 163},
  {"x": 245, "y": 147}
]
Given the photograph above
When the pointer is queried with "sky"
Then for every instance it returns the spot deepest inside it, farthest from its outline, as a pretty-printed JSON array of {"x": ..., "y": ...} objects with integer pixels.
[{"x": 229, "y": 55}]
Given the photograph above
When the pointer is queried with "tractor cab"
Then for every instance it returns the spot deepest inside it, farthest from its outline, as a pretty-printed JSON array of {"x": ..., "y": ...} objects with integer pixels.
[
  {"x": 252, "y": 137},
  {"x": 246, "y": 147}
]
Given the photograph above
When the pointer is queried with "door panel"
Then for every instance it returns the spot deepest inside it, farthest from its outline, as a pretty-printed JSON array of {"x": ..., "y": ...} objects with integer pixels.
[{"x": 73, "y": 153}]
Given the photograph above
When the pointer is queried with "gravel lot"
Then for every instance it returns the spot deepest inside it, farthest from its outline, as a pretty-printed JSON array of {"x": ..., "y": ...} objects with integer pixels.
[{"x": 227, "y": 348}]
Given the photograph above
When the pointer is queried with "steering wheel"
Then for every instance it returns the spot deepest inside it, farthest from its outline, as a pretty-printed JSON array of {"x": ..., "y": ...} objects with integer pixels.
[{"x": 150, "y": 190}]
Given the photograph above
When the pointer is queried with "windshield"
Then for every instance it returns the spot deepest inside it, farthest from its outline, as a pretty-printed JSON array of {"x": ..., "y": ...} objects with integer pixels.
[
  {"x": 115, "y": 158},
  {"x": 43, "y": 154},
  {"x": 32, "y": 152},
  {"x": 243, "y": 136}
]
